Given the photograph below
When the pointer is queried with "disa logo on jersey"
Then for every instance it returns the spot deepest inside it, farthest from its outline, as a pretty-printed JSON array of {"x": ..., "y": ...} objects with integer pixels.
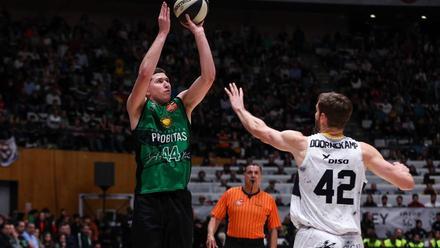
[
  {"x": 334, "y": 161},
  {"x": 338, "y": 161}
]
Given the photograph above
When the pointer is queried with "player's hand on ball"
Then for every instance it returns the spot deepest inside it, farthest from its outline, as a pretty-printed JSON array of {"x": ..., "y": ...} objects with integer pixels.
[
  {"x": 235, "y": 97},
  {"x": 164, "y": 19},
  {"x": 192, "y": 26}
]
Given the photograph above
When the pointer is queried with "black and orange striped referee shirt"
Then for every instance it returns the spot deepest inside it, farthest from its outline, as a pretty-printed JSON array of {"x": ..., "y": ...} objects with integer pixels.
[{"x": 247, "y": 216}]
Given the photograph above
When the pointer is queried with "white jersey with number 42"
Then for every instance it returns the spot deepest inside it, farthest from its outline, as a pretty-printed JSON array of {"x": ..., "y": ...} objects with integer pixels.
[{"x": 327, "y": 191}]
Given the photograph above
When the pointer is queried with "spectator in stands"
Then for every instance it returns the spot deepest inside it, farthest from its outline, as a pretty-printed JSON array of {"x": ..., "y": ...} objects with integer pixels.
[
  {"x": 233, "y": 178},
  {"x": 270, "y": 162},
  {"x": 395, "y": 241},
  {"x": 226, "y": 169},
  {"x": 63, "y": 218},
  {"x": 218, "y": 176},
  {"x": 5, "y": 235},
  {"x": 38, "y": 236},
  {"x": 21, "y": 226},
  {"x": 287, "y": 162},
  {"x": 95, "y": 230},
  {"x": 15, "y": 238},
  {"x": 371, "y": 240},
  {"x": 76, "y": 225},
  {"x": 372, "y": 190},
  {"x": 32, "y": 216},
  {"x": 10, "y": 237},
  {"x": 429, "y": 190},
  {"x": 413, "y": 170},
  {"x": 234, "y": 163},
  {"x": 201, "y": 177},
  {"x": 384, "y": 202},
  {"x": 399, "y": 202},
  {"x": 2, "y": 103},
  {"x": 224, "y": 183},
  {"x": 433, "y": 203},
  {"x": 202, "y": 200},
  {"x": 62, "y": 241},
  {"x": 436, "y": 225},
  {"x": 2, "y": 220},
  {"x": 288, "y": 231},
  {"x": 207, "y": 161},
  {"x": 399, "y": 192},
  {"x": 417, "y": 230},
  {"x": 369, "y": 202},
  {"x": 415, "y": 202},
  {"x": 427, "y": 176},
  {"x": 367, "y": 223},
  {"x": 86, "y": 237},
  {"x": 435, "y": 241},
  {"x": 271, "y": 189},
  {"x": 30, "y": 236},
  {"x": 429, "y": 163},
  {"x": 280, "y": 170},
  {"x": 245, "y": 229},
  {"x": 416, "y": 241},
  {"x": 71, "y": 240},
  {"x": 42, "y": 223},
  {"x": 48, "y": 241}
]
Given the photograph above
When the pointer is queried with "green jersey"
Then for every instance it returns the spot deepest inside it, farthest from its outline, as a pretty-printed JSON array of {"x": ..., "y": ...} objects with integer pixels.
[{"x": 162, "y": 141}]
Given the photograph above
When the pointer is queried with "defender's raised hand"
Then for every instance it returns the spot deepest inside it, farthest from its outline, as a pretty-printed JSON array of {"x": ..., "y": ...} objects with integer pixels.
[
  {"x": 235, "y": 97},
  {"x": 164, "y": 19}
]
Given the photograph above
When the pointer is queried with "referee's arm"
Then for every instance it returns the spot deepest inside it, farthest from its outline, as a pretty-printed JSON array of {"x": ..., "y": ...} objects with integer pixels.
[
  {"x": 212, "y": 228},
  {"x": 273, "y": 238},
  {"x": 273, "y": 224}
]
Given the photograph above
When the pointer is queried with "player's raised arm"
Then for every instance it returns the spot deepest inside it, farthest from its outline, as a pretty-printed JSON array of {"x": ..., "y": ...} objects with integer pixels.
[
  {"x": 136, "y": 100},
  {"x": 396, "y": 173},
  {"x": 198, "y": 90},
  {"x": 290, "y": 141}
]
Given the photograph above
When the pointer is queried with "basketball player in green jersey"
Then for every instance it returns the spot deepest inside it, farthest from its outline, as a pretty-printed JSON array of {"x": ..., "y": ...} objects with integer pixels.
[{"x": 161, "y": 128}]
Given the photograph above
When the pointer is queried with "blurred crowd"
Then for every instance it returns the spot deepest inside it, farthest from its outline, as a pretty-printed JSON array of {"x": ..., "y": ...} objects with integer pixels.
[
  {"x": 393, "y": 78},
  {"x": 414, "y": 237},
  {"x": 42, "y": 229},
  {"x": 65, "y": 85}
]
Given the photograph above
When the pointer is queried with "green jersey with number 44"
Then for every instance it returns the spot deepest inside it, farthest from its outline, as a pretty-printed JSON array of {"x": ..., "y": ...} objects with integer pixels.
[{"x": 163, "y": 156}]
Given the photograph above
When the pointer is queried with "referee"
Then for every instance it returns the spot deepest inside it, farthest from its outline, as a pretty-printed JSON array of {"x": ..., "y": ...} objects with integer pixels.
[{"x": 248, "y": 210}]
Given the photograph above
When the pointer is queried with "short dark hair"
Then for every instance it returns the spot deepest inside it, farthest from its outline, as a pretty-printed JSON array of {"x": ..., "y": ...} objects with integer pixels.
[
  {"x": 254, "y": 164},
  {"x": 159, "y": 70},
  {"x": 336, "y": 107}
]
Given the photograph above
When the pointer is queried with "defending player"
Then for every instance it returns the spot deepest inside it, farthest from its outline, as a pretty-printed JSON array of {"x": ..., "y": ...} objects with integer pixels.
[{"x": 325, "y": 203}]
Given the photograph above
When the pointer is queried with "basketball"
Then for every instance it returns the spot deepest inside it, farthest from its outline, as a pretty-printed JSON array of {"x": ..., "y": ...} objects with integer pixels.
[{"x": 196, "y": 9}]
